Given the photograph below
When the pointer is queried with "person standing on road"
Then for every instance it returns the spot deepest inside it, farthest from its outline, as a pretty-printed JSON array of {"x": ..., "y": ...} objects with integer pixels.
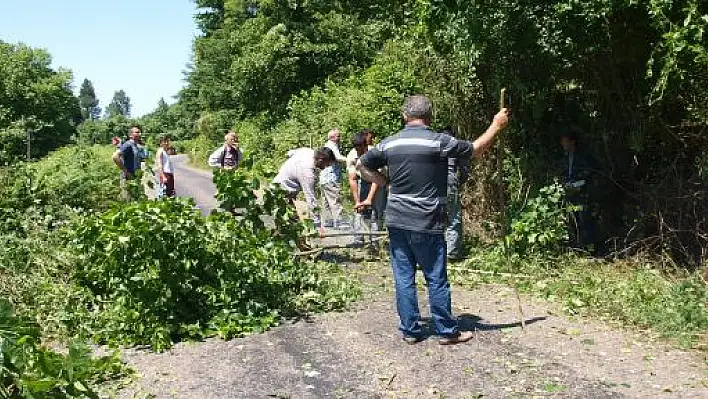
[
  {"x": 228, "y": 156},
  {"x": 300, "y": 172},
  {"x": 329, "y": 183},
  {"x": 369, "y": 198},
  {"x": 128, "y": 158},
  {"x": 457, "y": 173},
  {"x": 165, "y": 169},
  {"x": 415, "y": 216}
]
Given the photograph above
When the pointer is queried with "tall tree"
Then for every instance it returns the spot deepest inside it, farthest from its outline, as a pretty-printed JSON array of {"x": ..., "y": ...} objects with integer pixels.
[
  {"x": 120, "y": 105},
  {"x": 88, "y": 101},
  {"x": 35, "y": 98}
]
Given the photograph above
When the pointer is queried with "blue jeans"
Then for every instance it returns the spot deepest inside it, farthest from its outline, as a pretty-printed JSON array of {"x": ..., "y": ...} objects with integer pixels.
[{"x": 408, "y": 249}]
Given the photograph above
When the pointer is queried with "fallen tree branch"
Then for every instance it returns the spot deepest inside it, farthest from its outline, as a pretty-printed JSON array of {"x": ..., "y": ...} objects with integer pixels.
[
  {"x": 335, "y": 246},
  {"x": 349, "y": 233},
  {"x": 459, "y": 269}
]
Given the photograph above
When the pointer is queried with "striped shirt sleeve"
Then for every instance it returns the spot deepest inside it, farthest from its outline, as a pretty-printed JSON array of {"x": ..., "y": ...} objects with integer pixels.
[{"x": 454, "y": 148}]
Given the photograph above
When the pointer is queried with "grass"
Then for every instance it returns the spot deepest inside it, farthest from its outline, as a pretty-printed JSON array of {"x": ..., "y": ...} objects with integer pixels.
[{"x": 633, "y": 292}]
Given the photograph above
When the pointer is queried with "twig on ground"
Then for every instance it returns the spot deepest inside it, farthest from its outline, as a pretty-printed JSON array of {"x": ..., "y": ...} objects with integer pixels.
[
  {"x": 521, "y": 309},
  {"x": 335, "y": 246},
  {"x": 349, "y": 233},
  {"x": 475, "y": 271}
]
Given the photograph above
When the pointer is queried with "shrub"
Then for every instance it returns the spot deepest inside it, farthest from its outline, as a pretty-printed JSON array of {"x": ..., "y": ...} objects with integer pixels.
[
  {"x": 159, "y": 272},
  {"x": 77, "y": 176},
  {"x": 29, "y": 370},
  {"x": 540, "y": 223},
  {"x": 198, "y": 150}
]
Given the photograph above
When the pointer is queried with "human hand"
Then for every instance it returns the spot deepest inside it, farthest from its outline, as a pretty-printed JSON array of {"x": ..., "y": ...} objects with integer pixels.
[
  {"x": 501, "y": 119},
  {"x": 362, "y": 205}
]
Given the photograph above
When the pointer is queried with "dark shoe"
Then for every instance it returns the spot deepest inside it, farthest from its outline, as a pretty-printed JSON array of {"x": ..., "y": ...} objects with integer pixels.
[
  {"x": 411, "y": 340},
  {"x": 459, "y": 338}
]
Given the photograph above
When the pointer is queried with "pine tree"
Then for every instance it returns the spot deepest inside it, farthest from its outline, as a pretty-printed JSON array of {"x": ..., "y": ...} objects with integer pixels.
[
  {"x": 88, "y": 101},
  {"x": 120, "y": 105}
]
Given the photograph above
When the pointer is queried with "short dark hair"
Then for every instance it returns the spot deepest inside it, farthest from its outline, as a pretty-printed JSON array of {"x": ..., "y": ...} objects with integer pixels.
[
  {"x": 325, "y": 154},
  {"x": 163, "y": 138},
  {"x": 571, "y": 133},
  {"x": 359, "y": 139}
]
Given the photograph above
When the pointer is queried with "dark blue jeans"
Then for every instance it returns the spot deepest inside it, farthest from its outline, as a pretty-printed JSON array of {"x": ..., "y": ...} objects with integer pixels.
[{"x": 408, "y": 249}]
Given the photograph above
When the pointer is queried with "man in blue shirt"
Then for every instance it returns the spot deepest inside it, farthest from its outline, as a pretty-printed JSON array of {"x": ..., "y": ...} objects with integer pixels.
[
  {"x": 128, "y": 158},
  {"x": 417, "y": 179}
]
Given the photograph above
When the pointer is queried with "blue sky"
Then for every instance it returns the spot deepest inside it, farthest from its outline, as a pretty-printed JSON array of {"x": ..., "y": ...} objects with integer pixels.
[{"x": 140, "y": 46}]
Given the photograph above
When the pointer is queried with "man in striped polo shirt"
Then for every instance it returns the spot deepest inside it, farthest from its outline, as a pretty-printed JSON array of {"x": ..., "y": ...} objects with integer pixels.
[{"x": 417, "y": 179}]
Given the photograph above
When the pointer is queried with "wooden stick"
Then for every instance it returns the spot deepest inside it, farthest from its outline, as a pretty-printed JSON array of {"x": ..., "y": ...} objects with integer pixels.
[
  {"x": 335, "y": 246},
  {"x": 349, "y": 233},
  {"x": 521, "y": 308},
  {"x": 459, "y": 269}
]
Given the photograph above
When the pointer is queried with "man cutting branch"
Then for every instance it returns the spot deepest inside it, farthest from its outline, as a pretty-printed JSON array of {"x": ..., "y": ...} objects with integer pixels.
[{"x": 416, "y": 158}]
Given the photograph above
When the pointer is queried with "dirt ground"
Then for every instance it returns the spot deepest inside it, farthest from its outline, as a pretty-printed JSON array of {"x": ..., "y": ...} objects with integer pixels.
[{"x": 359, "y": 354}]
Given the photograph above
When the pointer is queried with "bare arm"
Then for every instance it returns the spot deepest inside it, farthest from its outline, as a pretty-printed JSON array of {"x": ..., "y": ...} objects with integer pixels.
[
  {"x": 370, "y": 175},
  {"x": 354, "y": 186},
  {"x": 308, "y": 181},
  {"x": 160, "y": 165},
  {"x": 118, "y": 160},
  {"x": 483, "y": 142}
]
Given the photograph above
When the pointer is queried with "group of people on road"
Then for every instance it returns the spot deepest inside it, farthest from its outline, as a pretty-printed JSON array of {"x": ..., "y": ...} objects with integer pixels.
[
  {"x": 129, "y": 156},
  {"x": 410, "y": 180},
  {"x": 403, "y": 180},
  {"x": 308, "y": 169}
]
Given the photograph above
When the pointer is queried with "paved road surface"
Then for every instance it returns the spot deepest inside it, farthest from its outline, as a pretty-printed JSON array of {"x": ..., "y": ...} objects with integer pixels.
[{"x": 194, "y": 183}]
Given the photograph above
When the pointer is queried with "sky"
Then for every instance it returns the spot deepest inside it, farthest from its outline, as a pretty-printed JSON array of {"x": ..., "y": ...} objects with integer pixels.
[{"x": 139, "y": 46}]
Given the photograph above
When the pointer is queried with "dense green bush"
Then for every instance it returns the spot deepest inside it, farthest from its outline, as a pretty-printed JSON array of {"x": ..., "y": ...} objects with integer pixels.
[
  {"x": 35, "y": 98},
  {"x": 540, "y": 223},
  {"x": 160, "y": 272},
  {"x": 198, "y": 150},
  {"x": 37, "y": 202},
  {"x": 77, "y": 176},
  {"x": 30, "y": 370}
]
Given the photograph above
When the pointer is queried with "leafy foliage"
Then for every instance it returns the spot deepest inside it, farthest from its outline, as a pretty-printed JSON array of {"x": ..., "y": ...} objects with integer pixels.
[
  {"x": 37, "y": 203},
  {"x": 540, "y": 224},
  {"x": 634, "y": 292},
  {"x": 33, "y": 97},
  {"x": 88, "y": 101},
  {"x": 119, "y": 105},
  {"x": 159, "y": 271},
  {"x": 252, "y": 62},
  {"x": 29, "y": 370}
]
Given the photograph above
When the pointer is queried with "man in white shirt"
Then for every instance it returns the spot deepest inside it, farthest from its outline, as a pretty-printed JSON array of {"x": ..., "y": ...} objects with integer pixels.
[
  {"x": 329, "y": 182},
  {"x": 228, "y": 156},
  {"x": 299, "y": 173}
]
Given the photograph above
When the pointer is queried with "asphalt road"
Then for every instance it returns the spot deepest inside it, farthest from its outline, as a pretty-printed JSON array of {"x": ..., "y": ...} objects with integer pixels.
[{"x": 194, "y": 183}]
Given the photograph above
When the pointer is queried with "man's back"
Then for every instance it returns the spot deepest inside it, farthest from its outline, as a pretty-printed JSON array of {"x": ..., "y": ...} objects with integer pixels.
[
  {"x": 417, "y": 168},
  {"x": 298, "y": 170}
]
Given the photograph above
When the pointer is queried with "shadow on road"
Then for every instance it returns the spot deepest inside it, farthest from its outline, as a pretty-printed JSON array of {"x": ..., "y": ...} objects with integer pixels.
[{"x": 470, "y": 322}]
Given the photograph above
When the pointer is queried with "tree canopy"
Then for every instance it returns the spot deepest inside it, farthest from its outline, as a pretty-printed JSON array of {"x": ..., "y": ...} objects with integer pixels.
[
  {"x": 119, "y": 105},
  {"x": 630, "y": 75},
  {"x": 88, "y": 101},
  {"x": 36, "y": 98}
]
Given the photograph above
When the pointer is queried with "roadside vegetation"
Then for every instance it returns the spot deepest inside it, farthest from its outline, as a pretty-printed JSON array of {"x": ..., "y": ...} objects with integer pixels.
[{"x": 79, "y": 265}]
